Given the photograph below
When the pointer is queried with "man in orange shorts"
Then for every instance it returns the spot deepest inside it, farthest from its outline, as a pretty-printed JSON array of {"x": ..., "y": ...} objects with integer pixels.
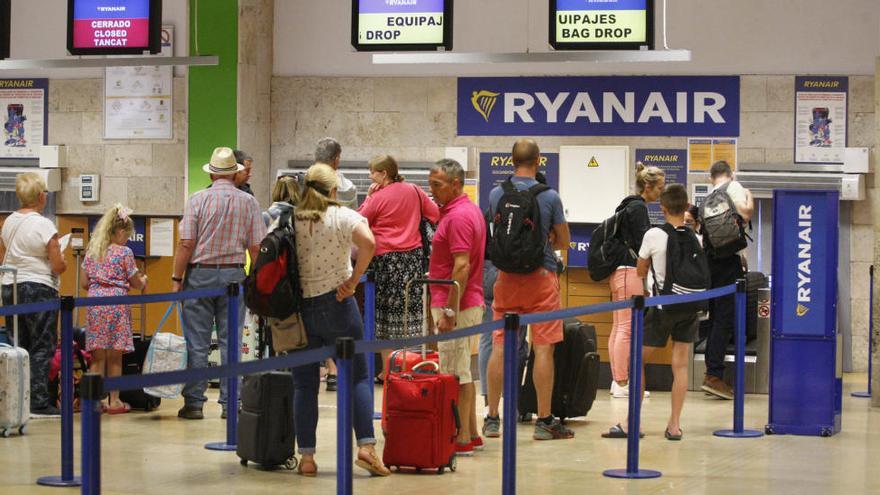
[{"x": 527, "y": 289}]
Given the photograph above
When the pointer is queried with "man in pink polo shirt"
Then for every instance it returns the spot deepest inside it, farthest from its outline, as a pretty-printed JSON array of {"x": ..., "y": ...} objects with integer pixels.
[{"x": 457, "y": 254}]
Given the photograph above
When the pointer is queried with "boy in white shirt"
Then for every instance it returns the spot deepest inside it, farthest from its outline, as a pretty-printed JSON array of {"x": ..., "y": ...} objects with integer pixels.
[{"x": 676, "y": 321}]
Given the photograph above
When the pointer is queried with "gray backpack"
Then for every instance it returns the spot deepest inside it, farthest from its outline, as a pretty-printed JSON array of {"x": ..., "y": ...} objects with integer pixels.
[{"x": 723, "y": 228}]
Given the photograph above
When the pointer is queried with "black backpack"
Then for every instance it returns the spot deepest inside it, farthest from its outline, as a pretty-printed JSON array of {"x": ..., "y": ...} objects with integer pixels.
[
  {"x": 515, "y": 241},
  {"x": 272, "y": 287},
  {"x": 723, "y": 228},
  {"x": 608, "y": 247},
  {"x": 687, "y": 269}
]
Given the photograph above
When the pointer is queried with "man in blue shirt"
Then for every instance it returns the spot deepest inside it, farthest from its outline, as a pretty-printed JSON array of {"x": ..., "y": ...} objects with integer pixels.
[{"x": 532, "y": 292}]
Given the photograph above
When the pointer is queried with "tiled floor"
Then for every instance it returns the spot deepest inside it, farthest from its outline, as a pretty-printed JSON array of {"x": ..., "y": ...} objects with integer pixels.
[{"x": 158, "y": 453}]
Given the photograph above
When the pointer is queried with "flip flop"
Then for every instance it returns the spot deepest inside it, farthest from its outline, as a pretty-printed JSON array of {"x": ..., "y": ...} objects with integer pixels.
[
  {"x": 126, "y": 408},
  {"x": 617, "y": 431},
  {"x": 674, "y": 438}
]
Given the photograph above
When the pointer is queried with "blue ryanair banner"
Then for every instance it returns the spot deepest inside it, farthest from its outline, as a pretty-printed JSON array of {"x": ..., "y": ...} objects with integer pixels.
[
  {"x": 579, "y": 247},
  {"x": 599, "y": 106},
  {"x": 804, "y": 290}
]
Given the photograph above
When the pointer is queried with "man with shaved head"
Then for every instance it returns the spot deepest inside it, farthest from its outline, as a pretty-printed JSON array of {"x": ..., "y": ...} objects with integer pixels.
[{"x": 532, "y": 292}]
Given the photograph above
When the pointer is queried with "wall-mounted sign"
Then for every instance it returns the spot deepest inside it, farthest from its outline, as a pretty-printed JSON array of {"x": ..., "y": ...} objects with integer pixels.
[
  {"x": 25, "y": 107},
  {"x": 113, "y": 27},
  {"x": 495, "y": 168},
  {"x": 137, "y": 242},
  {"x": 601, "y": 25},
  {"x": 599, "y": 106},
  {"x": 674, "y": 163},
  {"x": 401, "y": 25},
  {"x": 820, "y": 119},
  {"x": 703, "y": 152},
  {"x": 579, "y": 247}
]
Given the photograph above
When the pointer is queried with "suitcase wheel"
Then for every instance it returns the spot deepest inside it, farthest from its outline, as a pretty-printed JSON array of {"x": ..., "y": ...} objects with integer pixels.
[
  {"x": 453, "y": 463},
  {"x": 291, "y": 463},
  {"x": 440, "y": 470},
  {"x": 21, "y": 429},
  {"x": 244, "y": 462}
]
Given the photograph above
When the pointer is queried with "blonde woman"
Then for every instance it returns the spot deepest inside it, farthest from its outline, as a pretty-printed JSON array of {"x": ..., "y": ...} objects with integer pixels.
[
  {"x": 394, "y": 210},
  {"x": 625, "y": 282},
  {"x": 30, "y": 244},
  {"x": 109, "y": 270},
  {"x": 325, "y": 233}
]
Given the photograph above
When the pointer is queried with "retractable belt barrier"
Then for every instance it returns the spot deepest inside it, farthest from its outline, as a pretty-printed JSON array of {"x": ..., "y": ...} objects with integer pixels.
[{"x": 92, "y": 386}]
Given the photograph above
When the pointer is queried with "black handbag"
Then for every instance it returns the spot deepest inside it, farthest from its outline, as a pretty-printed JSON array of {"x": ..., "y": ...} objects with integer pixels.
[{"x": 426, "y": 231}]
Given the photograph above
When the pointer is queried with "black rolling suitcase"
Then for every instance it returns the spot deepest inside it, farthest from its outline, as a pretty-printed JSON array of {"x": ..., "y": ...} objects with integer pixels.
[
  {"x": 576, "y": 365},
  {"x": 132, "y": 364},
  {"x": 265, "y": 423}
]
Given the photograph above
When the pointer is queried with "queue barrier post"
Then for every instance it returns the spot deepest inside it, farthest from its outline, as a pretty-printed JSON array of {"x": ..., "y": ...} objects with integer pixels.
[
  {"x": 66, "y": 379},
  {"x": 867, "y": 394},
  {"x": 632, "y": 470},
  {"x": 91, "y": 390},
  {"x": 345, "y": 411},
  {"x": 738, "y": 430},
  {"x": 233, "y": 349},
  {"x": 511, "y": 390},
  {"x": 370, "y": 331}
]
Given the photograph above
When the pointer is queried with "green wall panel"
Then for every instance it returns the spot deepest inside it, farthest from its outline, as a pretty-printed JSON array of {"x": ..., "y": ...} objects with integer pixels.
[{"x": 212, "y": 90}]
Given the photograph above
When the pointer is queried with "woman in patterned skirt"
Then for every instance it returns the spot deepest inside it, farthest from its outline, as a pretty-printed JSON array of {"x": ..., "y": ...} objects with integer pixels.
[{"x": 394, "y": 210}]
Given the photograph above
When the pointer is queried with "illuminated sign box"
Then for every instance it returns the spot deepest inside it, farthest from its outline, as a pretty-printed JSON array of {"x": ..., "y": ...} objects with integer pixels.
[
  {"x": 113, "y": 27},
  {"x": 602, "y": 24},
  {"x": 401, "y": 25}
]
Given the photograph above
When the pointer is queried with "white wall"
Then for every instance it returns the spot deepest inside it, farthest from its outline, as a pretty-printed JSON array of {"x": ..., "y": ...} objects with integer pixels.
[
  {"x": 726, "y": 37},
  {"x": 39, "y": 31}
]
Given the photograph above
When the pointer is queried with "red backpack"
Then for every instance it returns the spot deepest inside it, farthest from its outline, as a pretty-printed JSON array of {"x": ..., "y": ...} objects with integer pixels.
[{"x": 272, "y": 287}]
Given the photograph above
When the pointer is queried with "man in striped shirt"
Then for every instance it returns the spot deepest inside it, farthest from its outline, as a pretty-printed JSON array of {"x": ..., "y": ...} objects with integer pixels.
[{"x": 219, "y": 224}]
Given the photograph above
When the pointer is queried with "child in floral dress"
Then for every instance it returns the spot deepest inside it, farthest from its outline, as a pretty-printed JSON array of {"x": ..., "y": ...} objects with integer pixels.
[{"x": 109, "y": 270}]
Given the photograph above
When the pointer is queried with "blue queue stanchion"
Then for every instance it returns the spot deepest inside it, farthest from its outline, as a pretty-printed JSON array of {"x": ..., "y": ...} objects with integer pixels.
[
  {"x": 632, "y": 470},
  {"x": 67, "y": 478},
  {"x": 511, "y": 390},
  {"x": 738, "y": 430},
  {"x": 867, "y": 394},
  {"x": 345, "y": 411},
  {"x": 233, "y": 349},
  {"x": 91, "y": 390},
  {"x": 370, "y": 330}
]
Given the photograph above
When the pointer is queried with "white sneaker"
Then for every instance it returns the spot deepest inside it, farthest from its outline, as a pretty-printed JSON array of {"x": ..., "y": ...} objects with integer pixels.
[{"x": 622, "y": 392}]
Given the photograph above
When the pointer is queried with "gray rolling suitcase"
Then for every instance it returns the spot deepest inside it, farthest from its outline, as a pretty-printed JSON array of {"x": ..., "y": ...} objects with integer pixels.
[{"x": 15, "y": 376}]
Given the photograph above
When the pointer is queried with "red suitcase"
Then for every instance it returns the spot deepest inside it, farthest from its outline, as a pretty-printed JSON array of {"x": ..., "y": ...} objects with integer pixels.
[
  {"x": 420, "y": 420},
  {"x": 413, "y": 357}
]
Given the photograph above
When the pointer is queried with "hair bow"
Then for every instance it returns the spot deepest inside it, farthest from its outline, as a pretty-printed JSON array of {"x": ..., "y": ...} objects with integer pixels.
[{"x": 123, "y": 212}]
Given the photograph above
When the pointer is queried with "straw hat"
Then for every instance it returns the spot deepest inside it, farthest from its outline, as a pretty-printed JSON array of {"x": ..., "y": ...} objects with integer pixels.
[{"x": 222, "y": 163}]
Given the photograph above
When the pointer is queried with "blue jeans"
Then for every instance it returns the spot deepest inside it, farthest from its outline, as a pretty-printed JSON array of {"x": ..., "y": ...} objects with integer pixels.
[
  {"x": 200, "y": 316},
  {"x": 325, "y": 320}
]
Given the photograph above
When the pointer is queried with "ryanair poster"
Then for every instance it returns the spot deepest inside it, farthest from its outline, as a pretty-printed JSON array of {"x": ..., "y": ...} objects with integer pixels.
[
  {"x": 599, "y": 106},
  {"x": 495, "y": 168},
  {"x": 674, "y": 164},
  {"x": 804, "y": 291}
]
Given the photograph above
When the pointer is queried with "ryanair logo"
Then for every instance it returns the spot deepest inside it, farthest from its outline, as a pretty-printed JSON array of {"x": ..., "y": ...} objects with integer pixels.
[
  {"x": 802, "y": 310},
  {"x": 484, "y": 101}
]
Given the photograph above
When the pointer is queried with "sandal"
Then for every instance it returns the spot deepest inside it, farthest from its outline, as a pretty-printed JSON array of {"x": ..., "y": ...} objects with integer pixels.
[
  {"x": 312, "y": 470},
  {"x": 369, "y": 461},
  {"x": 674, "y": 438},
  {"x": 617, "y": 431},
  {"x": 124, "y": 408}
]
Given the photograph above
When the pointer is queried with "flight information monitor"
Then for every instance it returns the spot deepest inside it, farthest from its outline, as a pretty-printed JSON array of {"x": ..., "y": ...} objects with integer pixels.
[
  {"x": 113, "y": 27},
  {"x": 602, "y": 24},
  {"x": 401, "y": 25}
]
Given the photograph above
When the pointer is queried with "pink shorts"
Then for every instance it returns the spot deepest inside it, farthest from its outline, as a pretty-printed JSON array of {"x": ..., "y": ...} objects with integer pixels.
[{"x": 526, "y": 293}]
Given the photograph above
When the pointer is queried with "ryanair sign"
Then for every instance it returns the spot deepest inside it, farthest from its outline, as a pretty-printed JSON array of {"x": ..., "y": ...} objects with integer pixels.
[
  {"x": 804, "y": 290},
  {"x": 599, "y": 106}
]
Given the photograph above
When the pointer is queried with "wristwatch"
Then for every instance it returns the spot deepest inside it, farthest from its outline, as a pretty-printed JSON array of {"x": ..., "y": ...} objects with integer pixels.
[{"x": 448, "y": 312}]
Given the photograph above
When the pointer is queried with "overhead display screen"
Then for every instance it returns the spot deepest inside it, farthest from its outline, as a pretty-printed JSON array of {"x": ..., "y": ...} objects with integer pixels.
[
  {"x": 106, "y": 27},
  {"x": 384, "y": 25},
  {"x": 602, "y": 24}
]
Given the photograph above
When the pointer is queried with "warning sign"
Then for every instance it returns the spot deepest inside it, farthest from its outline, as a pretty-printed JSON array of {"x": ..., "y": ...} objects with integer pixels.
[
  {"x": 593, "y": 163},
  {"x": 764, "y": 308}
]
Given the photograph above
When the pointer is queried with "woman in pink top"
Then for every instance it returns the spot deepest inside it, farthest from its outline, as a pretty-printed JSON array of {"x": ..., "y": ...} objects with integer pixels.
[{"x": 394, "y": 210}]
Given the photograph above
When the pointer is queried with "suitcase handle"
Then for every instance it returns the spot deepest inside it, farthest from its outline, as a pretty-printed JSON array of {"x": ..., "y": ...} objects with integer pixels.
[
  {"x": 457, "y": 418},
  {"x": 423, "y": 281},
  {"x": 424, "y": 364}
]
